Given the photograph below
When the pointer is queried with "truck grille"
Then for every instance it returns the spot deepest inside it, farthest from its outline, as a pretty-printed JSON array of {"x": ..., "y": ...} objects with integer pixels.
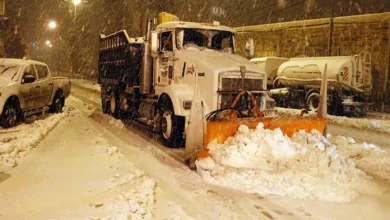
[
  {"x": 235, "y": 84},
  {"x": 232, "y": 86}
]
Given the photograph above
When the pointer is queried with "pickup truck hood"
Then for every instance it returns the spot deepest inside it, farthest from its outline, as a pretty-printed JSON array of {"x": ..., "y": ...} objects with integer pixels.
[
  {"x": 4, "y": 82},
  {"x": 215, "y": 61}
]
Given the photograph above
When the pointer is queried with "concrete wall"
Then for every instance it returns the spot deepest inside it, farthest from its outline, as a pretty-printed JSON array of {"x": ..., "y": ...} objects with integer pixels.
[{"x": 350, "y": 36}]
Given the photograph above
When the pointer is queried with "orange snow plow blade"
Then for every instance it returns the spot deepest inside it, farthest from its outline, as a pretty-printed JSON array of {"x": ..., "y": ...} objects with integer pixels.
[{"x": 221, "y": 130}]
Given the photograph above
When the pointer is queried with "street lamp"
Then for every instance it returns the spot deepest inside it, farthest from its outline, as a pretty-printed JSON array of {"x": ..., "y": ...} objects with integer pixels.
[
  {"x": 76, "y": 2},
  {"x": 52, "y": 24}
]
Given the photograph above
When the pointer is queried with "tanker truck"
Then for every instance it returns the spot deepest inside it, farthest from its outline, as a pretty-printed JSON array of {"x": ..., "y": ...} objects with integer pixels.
[
  {"x": 152, "y": 79},
  {"x": 298, "y": 81}
]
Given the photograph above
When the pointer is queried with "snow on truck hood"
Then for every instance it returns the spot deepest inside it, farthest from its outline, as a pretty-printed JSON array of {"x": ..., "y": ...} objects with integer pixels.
[{"x": 219, "y": 61}]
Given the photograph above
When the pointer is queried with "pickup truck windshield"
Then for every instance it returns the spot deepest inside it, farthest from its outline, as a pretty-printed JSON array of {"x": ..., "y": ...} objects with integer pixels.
[
  {"x": 201, "y": 38},
  {"x": 9, "y": 72}
]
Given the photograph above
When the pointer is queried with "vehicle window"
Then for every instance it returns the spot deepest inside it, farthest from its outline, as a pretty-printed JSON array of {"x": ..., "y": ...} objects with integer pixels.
[
  {"x": 9, "y": 72},
  {"x": 195, "y": 37},
  {"x": 42, "y": 71},
  {"x": 166, "y": 41},
  {"x": 30, "y": 70},
  {"x": 222, "y": 41},
  {"x": 212, "y": 39}
]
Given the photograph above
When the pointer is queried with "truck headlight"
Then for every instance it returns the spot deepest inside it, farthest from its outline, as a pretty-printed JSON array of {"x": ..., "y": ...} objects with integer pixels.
[{"x": 187, "y": 104}]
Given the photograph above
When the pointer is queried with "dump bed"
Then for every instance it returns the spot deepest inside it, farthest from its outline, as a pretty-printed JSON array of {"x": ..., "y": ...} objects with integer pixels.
[{"x": 120, "y": 59}]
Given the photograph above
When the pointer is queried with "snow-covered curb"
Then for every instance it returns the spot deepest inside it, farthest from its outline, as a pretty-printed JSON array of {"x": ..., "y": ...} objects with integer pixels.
[
  {"x": 305, "y": 166},
  {"x": 360, "y": 123},
  {"x": 16, "y": 142}
]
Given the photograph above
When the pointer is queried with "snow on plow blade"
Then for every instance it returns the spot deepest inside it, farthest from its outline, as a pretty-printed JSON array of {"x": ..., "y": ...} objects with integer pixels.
[{"x": 221, "y": 130}]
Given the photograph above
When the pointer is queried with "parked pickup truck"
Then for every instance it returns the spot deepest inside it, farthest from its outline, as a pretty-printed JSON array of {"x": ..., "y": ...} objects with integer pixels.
[{"x": 27, "y": 87}]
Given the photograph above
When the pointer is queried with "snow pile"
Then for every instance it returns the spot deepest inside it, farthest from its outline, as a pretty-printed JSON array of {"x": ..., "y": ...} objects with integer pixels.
[
  {"x": 360, "y": 123},
  {"x": 138, "y": 202},
  {"x": 86, "y": 108},
  {"x": 16, "y": 142},
  {"x": 174, "y": 211},
  {"x": 113, "y": 150},
  {"x": 87, "y": 84},
  {"x": 305, "y": 166},
  {"x": 115, "y": 122},
  {"x": 368, "y": 157}
]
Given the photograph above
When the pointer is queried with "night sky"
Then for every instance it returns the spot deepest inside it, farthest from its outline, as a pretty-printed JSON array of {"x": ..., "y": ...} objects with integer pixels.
[{"x": 79, "y": 39}]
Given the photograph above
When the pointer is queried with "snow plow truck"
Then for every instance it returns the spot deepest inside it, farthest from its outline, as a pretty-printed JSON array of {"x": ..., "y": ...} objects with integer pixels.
[
  {"x": 184, "y": 81},
  {"x": 152, "y": 78},
  {"x": 298, "y": 80}
]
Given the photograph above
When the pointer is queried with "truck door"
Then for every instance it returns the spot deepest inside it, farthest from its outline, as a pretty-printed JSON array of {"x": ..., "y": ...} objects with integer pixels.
[
  {"x": 45, "y": 83},
  {"x": 164, "y": 62},
  {"x": 29, "y": 90}
]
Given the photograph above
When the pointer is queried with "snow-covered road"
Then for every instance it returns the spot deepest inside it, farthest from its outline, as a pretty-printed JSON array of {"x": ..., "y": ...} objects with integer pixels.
[
  {"x": 82, "y": 164},
  {"x": 83, "y": 171}
]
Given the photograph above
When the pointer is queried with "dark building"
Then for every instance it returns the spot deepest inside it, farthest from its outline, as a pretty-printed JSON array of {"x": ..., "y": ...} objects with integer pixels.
[{"x": 3, "y": 28}]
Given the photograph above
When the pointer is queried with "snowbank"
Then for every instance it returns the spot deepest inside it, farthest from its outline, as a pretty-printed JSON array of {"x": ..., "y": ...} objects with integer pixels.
[
  {"x": 368, "y": 157},
  {"x": 305, "y": 166},
  {"x": 16, "y": 142},
  {"x": 360, "y": 123},
  {"x": 88, "y": 84}
]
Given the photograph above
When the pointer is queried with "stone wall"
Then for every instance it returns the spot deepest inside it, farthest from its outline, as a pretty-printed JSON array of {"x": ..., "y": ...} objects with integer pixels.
[{"x": 350, "y": 36}]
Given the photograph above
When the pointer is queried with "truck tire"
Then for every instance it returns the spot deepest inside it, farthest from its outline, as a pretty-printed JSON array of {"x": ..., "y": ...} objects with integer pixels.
[
  {"x": 58, "y": 103},
  {"x": 313, "y": 101},
  {"x": 9, "y": 116},
  {"x": 105, "y": 106},
  {"x": 114, "y": 110},
  {"x": 171, "y": 126}
]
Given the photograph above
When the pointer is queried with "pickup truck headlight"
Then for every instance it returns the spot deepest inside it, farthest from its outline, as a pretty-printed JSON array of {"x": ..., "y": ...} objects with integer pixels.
[{"x": 187, "y": 104}]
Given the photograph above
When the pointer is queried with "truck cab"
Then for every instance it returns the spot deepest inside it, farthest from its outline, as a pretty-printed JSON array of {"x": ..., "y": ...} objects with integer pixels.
[{"x": 188, "y": 49}]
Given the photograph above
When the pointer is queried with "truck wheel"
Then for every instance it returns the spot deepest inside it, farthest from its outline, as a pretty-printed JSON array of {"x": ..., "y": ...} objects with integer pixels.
[
  {"x": 171, "y": 126},
  {"x": 114, "y": 106},
  {"x": 9, "y": 117},
  {"x": 313, "y": 101},
  {"x": 58, "y": 103},
  {"x": 105, "y": 107}
]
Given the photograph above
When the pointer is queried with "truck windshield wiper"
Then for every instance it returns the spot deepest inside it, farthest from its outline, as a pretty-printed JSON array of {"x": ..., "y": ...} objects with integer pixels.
[
  {"x": 5, "y": 70},
  {"x": 14, "y": 74}
]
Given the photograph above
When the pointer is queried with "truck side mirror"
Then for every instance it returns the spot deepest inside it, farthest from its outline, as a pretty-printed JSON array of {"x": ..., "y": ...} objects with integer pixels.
[
  {"x": 250, "y": 47},
  {"x": 154, "y": 42},
  {"x": 28, "y": 79}
]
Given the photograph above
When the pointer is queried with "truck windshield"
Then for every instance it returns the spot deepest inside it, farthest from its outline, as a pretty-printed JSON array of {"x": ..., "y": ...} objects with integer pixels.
[
  {"x": 9, "y": 72},
  {"x": 201, "y": 38}
]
